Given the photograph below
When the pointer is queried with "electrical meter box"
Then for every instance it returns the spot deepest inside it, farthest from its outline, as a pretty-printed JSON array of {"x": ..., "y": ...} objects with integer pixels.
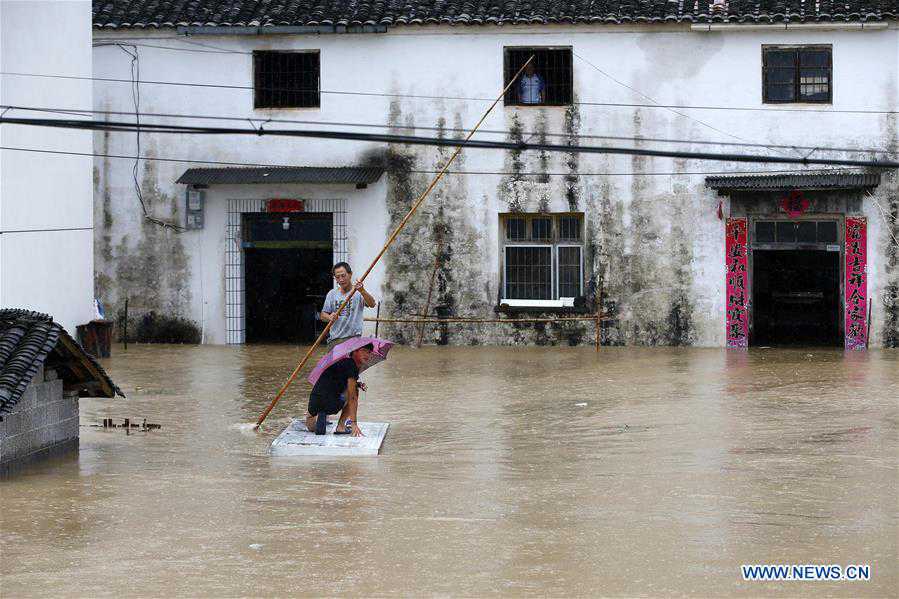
[{"x": 194, "y": 209}]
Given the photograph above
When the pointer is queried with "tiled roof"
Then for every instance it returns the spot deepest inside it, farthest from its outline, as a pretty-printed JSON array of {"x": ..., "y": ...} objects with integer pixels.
[
  {"x": 840, "y": 180},
  {"x": 139, "y": 14},
  {"x": 28, "y": 340},
  {"x": 347, "y": 175}
]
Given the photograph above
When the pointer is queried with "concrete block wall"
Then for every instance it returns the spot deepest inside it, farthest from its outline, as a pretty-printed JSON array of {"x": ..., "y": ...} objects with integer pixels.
[{"x": 45, "y": 420}]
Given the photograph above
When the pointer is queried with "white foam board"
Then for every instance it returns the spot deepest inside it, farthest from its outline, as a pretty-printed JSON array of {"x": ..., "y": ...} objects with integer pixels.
[{"x": 296, "y": 440}]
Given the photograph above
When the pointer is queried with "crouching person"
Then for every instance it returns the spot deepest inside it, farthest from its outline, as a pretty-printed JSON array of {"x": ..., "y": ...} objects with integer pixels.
[{"x": 340, "y": 379}]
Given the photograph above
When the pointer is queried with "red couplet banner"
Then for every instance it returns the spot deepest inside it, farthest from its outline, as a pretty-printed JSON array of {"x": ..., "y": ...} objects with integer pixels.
[
  {"x": 737, "y": 283},
  {"x": 856, "y": 282}
]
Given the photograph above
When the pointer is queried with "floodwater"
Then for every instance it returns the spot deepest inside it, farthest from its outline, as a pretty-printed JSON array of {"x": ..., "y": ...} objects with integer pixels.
[{"x": 506, "y": 471}]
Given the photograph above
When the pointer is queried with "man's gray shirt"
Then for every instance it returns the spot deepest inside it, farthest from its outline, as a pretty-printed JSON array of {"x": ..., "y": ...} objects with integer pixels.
[{"x": 349, "y": 323}]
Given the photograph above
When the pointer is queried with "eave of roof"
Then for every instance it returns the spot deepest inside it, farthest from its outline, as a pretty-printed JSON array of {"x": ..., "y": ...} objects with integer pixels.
[
  {"x": 807, "y": 181},
  {"x": 26, "y": 340},
  {"x": 134, "y": 14},
  {"x": 309, "y": 175}
]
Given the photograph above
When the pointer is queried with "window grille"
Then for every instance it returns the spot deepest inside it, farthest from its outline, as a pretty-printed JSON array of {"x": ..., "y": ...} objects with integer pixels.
[
  {"x": 804, "y": 231},
  {"x": 570, "y": 228},
  {"x": 235, "y": 312},
  {"x": 515, "y": 229},
  {"x": 549, "y": 84},
  {"x": 570, "y": 270},
  {"x": 797, "y": 75},
  {"x": 543, "y": 256},
  {"x": 286, "y": 79},
  {"x": 529, "y": 273},
  {"x": 541, "y": 229}
]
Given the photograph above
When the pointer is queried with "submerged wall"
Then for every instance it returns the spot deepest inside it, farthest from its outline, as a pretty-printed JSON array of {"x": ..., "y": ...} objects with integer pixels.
[
  {"x": 654, "y": 241},
  {"x": 44, "y": 420}
]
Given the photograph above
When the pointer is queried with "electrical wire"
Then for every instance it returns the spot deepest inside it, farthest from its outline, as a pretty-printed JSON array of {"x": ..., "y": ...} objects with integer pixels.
[
  {"x": 527, "y": 134},
  {"x": 417, "y": 171},
  {"x": 454, "y": 98},
  {"x": 656, "y": 103},
  {"x": 135, "y": 96},
  {"x": 444, "y": 142},
  {"x": 47, "y": 230}
]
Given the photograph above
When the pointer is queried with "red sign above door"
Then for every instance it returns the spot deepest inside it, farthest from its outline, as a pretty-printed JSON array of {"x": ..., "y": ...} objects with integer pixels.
[
  {"x": 283, "y": 205},
  {"x": 794, "y": 204}
]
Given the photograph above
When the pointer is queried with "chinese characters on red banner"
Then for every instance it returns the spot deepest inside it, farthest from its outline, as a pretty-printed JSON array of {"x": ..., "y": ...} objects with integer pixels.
[
  {"x": 856, "y": 282},
  {"x": 284, "y": 205},
  {"x": 737, "y": 284}
]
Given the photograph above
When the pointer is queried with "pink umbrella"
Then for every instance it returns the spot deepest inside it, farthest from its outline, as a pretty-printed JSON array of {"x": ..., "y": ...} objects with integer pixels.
[{"x": 344, "y": 349}]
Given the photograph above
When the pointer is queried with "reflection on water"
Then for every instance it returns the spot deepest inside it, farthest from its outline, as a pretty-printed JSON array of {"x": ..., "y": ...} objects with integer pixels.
[{"x": 510, "y": 471}]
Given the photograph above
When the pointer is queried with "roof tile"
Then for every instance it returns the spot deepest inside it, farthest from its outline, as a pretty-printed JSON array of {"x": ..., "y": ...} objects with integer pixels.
[
  {"x": 26, "y": 340},
  {"x": 134, "y": 14}
]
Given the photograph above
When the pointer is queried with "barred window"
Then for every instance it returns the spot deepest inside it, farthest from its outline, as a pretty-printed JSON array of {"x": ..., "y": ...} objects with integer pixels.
[
  {"x": 515, "y": 229},
  {"x": 547, "y": 81},
  {"x": 805, "y": 231},
  {"x": 543, "y": 256},
  {"x": 570, "y": 228},
  {"x": 569, "y": 270},
  {"x": 286, "y": 79},
  {"x": 529, "y": 272},
  {"x": 797, "y": 75},
  {"x": 541, "y": 229}
]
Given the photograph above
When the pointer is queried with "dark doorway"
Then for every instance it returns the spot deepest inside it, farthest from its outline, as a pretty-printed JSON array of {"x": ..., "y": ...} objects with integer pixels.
[
  {"x": 287, "y": 272},
  {"x": 796, "y": 297}
]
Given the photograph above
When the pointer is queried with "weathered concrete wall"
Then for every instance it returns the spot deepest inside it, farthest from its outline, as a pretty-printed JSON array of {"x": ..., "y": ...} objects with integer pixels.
[
  {"x": 136, "y": 258},
  {"x": 653, "y": 238},
  {"x": 46, "y": 199},
  {"x": 881, "y": 207},
  {"x": 45, "y": 420}
]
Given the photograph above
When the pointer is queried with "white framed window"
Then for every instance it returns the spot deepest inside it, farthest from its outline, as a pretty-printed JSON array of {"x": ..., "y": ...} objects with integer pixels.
[
  {"x": 570, "y": 269},
  {"x": 542, "y": 259},
  {"x": 528, "y": 272}
]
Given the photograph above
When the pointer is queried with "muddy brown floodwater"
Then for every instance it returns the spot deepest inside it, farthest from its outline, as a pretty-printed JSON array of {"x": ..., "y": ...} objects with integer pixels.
[{"x": 506, "y": 471}]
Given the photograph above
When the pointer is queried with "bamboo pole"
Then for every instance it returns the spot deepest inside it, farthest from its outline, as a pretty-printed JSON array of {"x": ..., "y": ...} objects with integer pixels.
[
  {"x": 126, "y": 324},
  {"x": 377, "y": 319},
  {"x": 598, "y": 302},
  {"x": 390, "y": 241},
  {"x": 482, "y": 320},
  {"x": 424, "y": 314},
  {"x": 868, "y": 330}
]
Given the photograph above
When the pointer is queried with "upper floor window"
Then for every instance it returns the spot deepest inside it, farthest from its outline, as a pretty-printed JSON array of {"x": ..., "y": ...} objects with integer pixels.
[
  {"x": 543, "y": 256},
  {"x": 802, "y": 74},
  {"x": 547, "y": 80},
  {"x": 286, "y": 79}
]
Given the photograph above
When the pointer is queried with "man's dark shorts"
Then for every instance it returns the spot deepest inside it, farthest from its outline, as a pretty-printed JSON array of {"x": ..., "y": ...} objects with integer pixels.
[{"x": 327, "y": 404}]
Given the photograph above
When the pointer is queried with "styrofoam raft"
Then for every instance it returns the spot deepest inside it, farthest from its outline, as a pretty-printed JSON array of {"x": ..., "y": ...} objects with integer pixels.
[{"x": 296, "y": 440}]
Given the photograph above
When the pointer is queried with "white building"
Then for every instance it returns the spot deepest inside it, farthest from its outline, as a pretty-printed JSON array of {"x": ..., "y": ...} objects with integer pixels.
[
  {"x": 46, "y": 199},
  {"x": 516, "y": 231}
]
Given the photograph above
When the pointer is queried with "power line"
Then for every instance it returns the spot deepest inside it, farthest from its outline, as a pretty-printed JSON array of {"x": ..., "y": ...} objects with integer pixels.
[
  {"x": 65, "y": 229},
  {"x": 209, "y": 50},
  {"x": 456, "y": 98},
  {"x": 506, "y": 132},
  {"x": 417, "y": 171},
  {"x": 642, "y": 95},
  {"x": 135, "y": 96},
  {"x": 444, "y": 142}
]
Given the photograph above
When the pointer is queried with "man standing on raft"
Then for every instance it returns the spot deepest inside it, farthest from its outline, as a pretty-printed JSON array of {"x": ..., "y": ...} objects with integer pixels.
[
  {"x": 337, "y": 390},
  {"x": 349, "y": 322}
]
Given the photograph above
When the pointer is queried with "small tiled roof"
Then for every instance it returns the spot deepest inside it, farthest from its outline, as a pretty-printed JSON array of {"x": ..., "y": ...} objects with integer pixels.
[
  {"x": 312, "y": 175},
  {"x": 28, "y": 340},
  {"x": 140, "y": 14},
  {"x": 827, "y": 180}
]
